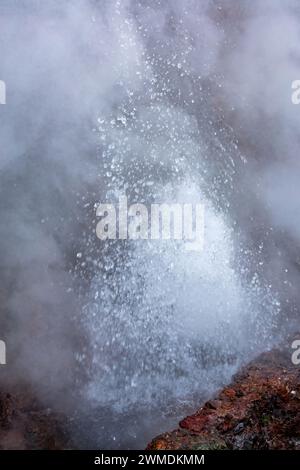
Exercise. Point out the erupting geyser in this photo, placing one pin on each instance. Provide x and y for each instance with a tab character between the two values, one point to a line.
164	102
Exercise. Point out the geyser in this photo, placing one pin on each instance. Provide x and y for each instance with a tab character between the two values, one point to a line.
176	102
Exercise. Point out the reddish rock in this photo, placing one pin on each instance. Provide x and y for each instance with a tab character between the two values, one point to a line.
260	409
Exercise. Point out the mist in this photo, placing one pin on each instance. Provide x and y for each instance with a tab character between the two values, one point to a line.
173	101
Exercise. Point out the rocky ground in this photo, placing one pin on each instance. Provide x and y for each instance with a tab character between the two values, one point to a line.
26	424
260	409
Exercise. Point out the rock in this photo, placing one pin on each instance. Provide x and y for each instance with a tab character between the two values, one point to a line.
260	409
25	424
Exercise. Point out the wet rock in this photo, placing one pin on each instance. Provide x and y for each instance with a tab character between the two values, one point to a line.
239	428
260	409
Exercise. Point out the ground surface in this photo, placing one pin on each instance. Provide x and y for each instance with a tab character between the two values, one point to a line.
26	424
260	409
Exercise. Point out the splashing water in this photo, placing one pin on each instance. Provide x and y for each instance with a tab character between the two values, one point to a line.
169	325
165	325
